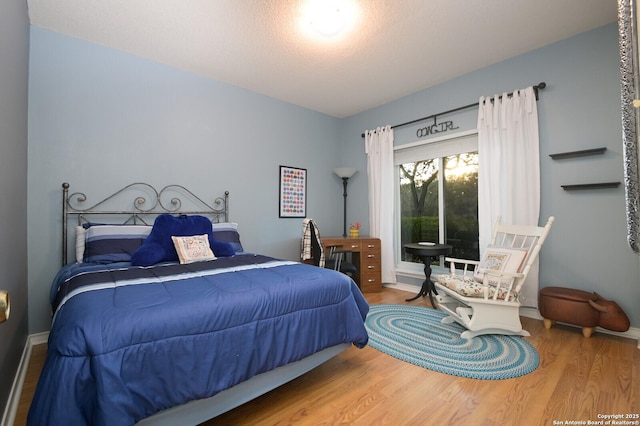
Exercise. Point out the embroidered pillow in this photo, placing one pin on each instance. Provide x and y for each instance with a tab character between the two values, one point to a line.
193	248
500	259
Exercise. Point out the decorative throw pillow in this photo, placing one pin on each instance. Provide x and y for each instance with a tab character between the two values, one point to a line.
194	248
500	259
159	247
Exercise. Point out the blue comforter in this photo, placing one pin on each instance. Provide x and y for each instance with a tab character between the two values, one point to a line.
127	342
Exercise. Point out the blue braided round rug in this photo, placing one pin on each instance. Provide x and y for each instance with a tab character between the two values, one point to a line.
415	334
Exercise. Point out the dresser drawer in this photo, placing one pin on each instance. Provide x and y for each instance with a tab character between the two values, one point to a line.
371	245
346	244
370	281
371	255
370	267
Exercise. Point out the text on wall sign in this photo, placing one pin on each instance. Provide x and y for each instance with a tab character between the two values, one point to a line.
435	128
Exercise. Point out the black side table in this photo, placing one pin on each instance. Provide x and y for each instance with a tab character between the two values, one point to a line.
427	252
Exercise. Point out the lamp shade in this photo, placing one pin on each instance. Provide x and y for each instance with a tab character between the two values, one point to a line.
345	172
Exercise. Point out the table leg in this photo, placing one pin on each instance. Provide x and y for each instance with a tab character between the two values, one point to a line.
427	289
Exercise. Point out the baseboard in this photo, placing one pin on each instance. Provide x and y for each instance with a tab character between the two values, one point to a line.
530	312
402	286
9	415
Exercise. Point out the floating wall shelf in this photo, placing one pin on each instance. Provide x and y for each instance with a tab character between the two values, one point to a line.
583	153
591	186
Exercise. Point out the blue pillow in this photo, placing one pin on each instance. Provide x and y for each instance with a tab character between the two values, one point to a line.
148	254
222	249
228	232
158	246
112	243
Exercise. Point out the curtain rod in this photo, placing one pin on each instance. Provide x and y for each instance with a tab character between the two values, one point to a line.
537	87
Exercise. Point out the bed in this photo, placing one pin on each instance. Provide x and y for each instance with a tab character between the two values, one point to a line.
180	337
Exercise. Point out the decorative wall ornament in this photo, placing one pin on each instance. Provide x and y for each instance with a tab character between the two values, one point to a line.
293	192
630	92
435	128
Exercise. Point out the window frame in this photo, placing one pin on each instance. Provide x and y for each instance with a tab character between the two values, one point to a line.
441	147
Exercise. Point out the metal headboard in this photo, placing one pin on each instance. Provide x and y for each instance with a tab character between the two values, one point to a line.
142	204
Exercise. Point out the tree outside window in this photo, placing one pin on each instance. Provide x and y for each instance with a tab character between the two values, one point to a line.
424	211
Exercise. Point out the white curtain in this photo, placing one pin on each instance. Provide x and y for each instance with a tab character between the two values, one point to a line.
379	149
509	169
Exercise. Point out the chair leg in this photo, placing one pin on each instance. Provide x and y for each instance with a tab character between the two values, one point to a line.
548	323
587	331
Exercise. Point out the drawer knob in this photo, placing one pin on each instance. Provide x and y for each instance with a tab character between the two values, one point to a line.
354	246
372	280
371	267
371	246
371	256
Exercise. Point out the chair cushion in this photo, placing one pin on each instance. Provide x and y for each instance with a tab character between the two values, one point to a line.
467	286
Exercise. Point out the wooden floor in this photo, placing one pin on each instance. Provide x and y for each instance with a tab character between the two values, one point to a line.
579	379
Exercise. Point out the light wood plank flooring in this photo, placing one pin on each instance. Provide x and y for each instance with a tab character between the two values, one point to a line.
578	379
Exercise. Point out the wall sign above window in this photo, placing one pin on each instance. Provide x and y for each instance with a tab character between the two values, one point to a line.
435	128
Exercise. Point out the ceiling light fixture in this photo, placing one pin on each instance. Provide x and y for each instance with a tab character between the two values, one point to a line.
328	18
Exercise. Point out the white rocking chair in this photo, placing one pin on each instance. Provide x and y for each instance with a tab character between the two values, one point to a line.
485	300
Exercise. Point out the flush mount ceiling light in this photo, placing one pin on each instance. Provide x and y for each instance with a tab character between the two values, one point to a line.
328	18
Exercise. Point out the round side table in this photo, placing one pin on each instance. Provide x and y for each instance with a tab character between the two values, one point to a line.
427	253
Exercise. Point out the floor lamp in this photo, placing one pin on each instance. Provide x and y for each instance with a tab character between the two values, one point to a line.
345	173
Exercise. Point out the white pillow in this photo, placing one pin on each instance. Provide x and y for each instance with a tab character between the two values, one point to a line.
80	237
193	248
500	259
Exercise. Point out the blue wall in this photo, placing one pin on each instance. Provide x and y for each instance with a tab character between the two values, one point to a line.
579	109
100	118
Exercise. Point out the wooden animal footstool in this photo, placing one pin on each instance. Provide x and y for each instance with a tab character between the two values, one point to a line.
570	306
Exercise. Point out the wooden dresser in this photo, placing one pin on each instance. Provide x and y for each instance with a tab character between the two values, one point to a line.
365	255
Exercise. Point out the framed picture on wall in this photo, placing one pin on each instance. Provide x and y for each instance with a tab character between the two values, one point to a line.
293	192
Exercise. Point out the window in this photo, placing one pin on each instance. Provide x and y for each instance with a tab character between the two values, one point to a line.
437	194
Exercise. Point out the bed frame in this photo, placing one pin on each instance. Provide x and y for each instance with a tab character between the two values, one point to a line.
142	204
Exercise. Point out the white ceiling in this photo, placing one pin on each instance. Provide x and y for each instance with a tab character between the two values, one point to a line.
395	48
